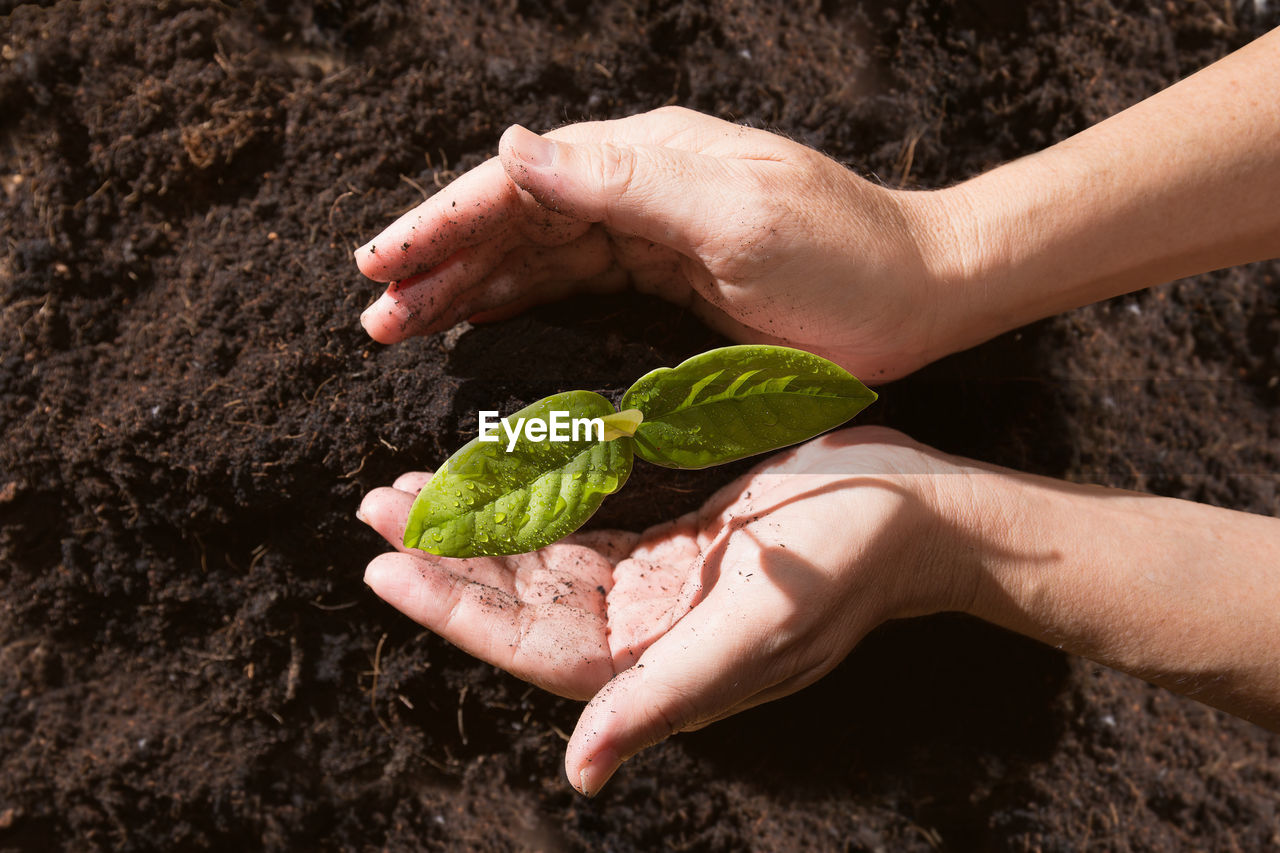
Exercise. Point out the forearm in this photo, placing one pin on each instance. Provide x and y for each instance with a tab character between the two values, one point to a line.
1182	183
1180	594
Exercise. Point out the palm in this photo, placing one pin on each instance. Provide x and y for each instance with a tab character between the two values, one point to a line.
567	618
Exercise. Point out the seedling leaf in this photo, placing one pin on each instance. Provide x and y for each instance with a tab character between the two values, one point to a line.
737	401
486	500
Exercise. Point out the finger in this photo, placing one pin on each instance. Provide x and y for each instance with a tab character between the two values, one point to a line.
561	649
682	129
480	206
611	280
536	275
415	306
645	602
663	194
653	588
654	269
675	127
412	481
386	511
476	207
495	304
781	690
706	663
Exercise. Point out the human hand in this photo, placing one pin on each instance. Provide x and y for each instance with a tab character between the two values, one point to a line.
764	239
758	594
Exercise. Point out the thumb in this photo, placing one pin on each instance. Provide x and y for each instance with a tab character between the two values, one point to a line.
665	195
693	674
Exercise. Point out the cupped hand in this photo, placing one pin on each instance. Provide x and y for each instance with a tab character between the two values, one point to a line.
764	239
758	594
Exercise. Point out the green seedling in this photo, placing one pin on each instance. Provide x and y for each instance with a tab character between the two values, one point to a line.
548	468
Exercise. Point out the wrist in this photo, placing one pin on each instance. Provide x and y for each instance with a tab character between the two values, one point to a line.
935	558
961	542
1029	239
962	236
982	532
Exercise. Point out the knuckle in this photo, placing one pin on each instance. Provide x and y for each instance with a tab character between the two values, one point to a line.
673	713
671	710
673	111
617	170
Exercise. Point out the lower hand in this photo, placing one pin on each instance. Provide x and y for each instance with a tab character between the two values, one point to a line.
758	594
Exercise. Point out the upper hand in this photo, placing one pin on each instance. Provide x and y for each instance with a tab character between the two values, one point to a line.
764	239
758	594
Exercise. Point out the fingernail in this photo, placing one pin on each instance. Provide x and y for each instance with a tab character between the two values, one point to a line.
381	316
360	516
532	149
599	770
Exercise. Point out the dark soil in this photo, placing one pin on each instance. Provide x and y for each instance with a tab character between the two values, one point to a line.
191	413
